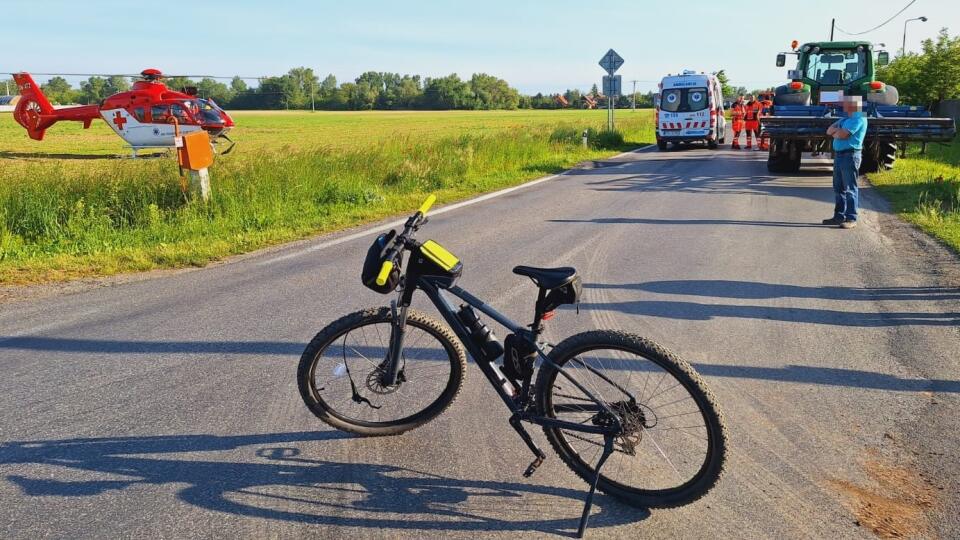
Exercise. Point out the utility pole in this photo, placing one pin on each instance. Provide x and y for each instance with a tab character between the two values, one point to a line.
313	107
634	94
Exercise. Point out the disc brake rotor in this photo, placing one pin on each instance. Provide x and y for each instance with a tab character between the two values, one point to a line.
375	384
634	418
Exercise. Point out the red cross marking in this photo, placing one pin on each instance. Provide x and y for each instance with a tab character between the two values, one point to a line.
119	120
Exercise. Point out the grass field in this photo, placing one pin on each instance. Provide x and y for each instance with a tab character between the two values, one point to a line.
925	190
69	207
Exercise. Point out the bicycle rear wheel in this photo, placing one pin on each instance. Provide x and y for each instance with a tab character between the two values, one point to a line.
339	373
673	447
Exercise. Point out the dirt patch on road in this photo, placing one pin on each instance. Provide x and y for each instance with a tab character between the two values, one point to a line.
895	505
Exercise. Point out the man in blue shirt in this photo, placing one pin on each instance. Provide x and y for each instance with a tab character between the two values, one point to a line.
847	133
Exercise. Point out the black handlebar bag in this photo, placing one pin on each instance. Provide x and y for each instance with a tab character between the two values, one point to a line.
376	255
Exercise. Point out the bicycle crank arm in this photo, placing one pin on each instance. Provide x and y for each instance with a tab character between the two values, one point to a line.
525	435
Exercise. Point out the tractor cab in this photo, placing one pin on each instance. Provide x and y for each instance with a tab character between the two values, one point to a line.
827	70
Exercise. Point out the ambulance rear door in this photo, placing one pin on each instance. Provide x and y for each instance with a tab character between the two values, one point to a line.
685	108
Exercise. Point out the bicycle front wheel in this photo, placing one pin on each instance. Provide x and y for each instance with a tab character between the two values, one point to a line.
673	444
339	373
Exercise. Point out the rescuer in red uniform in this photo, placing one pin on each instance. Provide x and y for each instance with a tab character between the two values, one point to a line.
737	112
751	119
766	103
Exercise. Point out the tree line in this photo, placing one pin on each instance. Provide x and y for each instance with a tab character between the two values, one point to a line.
927	77
301	88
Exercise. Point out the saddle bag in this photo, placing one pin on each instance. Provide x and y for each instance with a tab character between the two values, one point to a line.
564	294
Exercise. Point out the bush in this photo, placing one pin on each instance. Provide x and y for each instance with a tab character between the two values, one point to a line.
597	139
607	140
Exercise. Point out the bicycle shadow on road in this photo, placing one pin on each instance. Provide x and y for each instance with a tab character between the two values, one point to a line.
225	347
751	290
806	374
279	482
697	311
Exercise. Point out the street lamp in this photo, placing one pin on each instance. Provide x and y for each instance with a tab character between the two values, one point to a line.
903	51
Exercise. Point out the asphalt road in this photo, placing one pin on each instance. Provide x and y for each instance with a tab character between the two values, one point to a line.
168	407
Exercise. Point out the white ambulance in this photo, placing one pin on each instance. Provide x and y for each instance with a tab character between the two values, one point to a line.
690	109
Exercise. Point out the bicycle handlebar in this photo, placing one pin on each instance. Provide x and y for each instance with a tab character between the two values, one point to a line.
401	239
384	272
427	204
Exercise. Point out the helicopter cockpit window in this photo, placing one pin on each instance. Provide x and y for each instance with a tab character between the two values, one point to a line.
209	111
160	113
140	114
179	113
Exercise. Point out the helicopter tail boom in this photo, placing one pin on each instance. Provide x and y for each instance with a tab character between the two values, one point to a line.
35	113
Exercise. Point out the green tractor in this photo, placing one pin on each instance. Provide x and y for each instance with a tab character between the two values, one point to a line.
806	106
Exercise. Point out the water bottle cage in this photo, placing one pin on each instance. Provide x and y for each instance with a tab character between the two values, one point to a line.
480	334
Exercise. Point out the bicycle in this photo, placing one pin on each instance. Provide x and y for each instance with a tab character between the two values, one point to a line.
410	368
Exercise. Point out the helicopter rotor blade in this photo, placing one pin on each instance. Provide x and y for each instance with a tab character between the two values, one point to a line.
74	74
134	75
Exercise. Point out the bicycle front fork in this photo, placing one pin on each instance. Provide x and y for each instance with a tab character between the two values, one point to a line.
394	361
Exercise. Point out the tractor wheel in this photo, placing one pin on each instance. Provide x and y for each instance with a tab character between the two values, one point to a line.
888	155
784	157
712	144
661	144
878	156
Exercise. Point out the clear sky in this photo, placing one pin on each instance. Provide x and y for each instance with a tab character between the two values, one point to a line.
546	46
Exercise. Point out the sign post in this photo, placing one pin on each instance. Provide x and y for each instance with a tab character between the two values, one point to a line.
611	62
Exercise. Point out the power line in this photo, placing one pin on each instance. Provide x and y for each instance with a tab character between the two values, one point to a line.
884	23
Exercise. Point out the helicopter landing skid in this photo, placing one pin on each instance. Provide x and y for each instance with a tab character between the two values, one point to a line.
135	153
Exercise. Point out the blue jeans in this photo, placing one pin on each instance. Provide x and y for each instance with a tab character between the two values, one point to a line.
846	168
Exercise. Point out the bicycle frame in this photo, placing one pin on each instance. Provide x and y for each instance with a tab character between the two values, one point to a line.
519	405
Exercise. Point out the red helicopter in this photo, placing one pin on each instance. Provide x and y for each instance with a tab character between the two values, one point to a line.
147	116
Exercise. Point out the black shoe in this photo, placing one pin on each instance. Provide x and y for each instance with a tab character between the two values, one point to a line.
833	221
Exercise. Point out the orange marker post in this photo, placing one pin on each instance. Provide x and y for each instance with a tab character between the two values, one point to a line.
195	154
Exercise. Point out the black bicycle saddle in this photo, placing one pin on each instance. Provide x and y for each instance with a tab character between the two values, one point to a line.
547	278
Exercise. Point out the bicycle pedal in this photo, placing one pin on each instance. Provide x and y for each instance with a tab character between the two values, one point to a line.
532	468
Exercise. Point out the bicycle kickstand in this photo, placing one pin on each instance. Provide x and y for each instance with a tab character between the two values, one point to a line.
607	450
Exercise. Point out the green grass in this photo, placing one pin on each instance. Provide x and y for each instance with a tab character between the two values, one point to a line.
69	208
925	190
